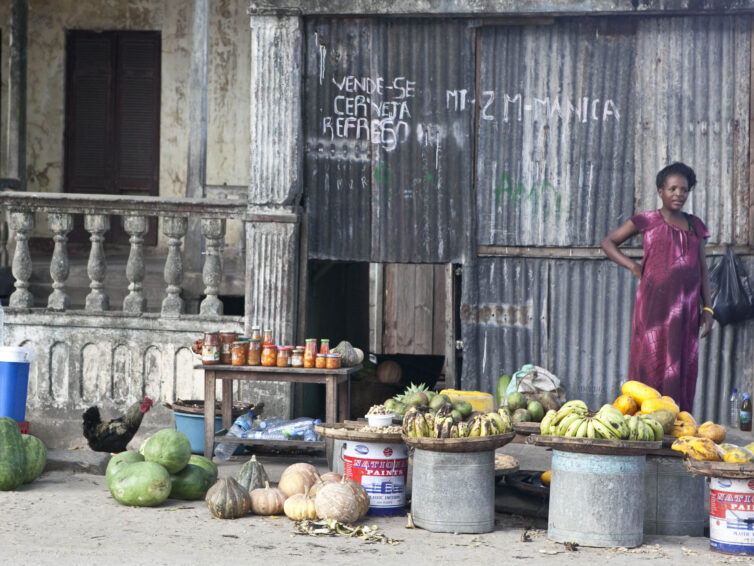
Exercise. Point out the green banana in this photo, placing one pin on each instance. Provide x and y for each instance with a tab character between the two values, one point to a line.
590	433
574	427
581	432
487	427
618	424
575	403
565	423
654	425
500	424
633	428
561	414
546	422
463	429
601	430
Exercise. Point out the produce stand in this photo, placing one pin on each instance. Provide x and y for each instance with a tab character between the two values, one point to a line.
453	486
350	430
594	490
337	391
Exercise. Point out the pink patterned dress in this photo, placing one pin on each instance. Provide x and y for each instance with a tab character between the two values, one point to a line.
665	325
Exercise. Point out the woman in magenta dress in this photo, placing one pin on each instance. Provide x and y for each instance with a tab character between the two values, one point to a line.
672	301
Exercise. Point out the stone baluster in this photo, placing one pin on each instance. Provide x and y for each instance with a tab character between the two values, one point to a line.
3	243
213	229
22	223
136	227
174	227
97	225
60	224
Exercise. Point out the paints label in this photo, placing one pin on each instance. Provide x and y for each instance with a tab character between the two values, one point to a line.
381	469
731	520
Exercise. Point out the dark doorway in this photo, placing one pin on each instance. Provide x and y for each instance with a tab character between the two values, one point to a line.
112	119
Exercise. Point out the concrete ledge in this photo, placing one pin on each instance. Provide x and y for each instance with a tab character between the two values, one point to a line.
81	461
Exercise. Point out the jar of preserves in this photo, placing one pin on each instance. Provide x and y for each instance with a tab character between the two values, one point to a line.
226	342
267	338
239	352
332	361
284	356
324	346
297	357
211	349
254	355
256	332
269	355
320	362
310	352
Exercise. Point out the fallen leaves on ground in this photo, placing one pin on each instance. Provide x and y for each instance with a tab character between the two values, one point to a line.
331	527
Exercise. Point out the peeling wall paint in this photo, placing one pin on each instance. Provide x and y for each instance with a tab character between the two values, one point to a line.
228	93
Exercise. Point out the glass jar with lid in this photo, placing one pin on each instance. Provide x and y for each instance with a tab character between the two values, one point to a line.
269	355
324	346
284	356
254	355
256	332
297	357
320	362
211	349
310	352
332	361
239	352
267	337
226	343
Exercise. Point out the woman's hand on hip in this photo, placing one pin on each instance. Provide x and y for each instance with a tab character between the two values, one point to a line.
636	270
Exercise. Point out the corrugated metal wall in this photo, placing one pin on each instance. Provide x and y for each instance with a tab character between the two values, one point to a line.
553	131
388	165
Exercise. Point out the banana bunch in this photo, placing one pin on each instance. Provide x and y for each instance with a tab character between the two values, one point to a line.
574	419
643	427
483	425
445	423
417	423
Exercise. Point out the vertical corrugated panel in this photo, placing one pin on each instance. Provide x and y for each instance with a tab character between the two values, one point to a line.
271	275
693	102
275	112
397	161
591	304
503	319
337	169
555	138
423	187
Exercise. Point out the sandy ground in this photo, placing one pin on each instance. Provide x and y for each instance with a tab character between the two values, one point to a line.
66	519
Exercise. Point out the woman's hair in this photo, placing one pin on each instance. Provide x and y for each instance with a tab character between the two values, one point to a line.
676	168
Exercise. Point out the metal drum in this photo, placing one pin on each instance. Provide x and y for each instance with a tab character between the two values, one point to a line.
674	499
596	500
453	492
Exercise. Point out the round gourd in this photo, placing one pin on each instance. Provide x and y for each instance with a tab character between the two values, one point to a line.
331	476
267	500
191	483
337	501
142	484
299	507
169	448
252	475
227	499
35	455
209	466
121	459
298	478
361	495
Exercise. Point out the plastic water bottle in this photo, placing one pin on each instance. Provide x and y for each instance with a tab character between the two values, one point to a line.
733	408
264	434
298	427
242	424
283	430
271	422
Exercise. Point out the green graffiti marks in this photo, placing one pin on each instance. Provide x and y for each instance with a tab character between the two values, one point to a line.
518	193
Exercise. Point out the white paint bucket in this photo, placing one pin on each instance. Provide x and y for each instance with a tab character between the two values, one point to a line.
381	469
731	516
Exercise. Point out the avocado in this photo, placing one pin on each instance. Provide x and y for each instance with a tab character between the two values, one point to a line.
516	401
521	416
536	410
463	407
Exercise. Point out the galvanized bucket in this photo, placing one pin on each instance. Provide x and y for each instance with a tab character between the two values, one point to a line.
453	492
596	500
674	499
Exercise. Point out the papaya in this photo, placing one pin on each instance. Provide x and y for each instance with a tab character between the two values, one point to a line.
639	391
726	447
750	447
681	428
713	431
665	418
738	456
651	405
687	417
681	444
704	449
626	404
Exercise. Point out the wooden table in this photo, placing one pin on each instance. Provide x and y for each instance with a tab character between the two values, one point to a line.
337	384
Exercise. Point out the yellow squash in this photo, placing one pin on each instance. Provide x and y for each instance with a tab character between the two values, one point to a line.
685	416
639	391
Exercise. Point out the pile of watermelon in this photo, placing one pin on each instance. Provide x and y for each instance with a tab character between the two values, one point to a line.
164	467
22	456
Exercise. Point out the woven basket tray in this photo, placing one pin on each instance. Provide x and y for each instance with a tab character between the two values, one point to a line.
598	446
469	444
349	430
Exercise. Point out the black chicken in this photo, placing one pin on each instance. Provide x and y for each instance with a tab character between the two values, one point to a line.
115	434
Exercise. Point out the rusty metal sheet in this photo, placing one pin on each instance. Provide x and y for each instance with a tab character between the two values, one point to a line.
555	131
388	167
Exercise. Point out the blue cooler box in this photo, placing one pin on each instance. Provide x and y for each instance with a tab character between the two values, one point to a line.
14	381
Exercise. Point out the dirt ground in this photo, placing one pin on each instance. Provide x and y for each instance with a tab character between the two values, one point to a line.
66	519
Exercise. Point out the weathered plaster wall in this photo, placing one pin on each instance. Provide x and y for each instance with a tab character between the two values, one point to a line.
228	94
